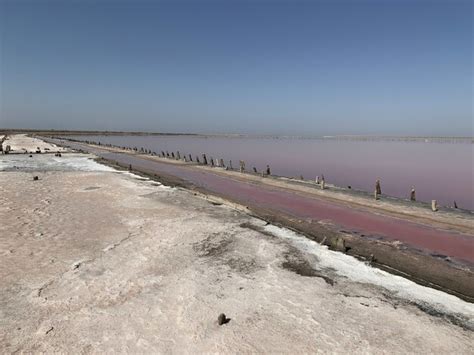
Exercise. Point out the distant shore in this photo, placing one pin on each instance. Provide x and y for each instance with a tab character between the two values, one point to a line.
382	137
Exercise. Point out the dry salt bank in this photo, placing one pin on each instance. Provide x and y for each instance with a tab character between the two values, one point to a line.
98	260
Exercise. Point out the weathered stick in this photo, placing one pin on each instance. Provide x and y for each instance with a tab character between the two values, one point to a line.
377	187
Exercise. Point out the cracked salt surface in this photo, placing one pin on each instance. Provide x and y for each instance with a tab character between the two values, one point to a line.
358	271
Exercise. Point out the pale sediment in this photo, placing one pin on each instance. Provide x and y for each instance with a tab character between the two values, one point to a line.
97	260
21	143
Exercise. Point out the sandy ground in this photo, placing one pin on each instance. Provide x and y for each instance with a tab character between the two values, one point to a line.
20	143
98	260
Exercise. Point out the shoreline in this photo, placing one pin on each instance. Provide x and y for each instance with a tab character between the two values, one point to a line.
350	191
437	272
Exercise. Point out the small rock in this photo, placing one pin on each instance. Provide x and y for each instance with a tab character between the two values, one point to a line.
222	319
35	178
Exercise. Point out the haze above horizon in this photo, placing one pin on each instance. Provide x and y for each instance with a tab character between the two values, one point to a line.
244	67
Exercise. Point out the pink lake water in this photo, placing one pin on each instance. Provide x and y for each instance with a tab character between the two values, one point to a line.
438	169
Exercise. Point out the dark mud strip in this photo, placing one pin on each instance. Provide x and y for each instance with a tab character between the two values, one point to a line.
282	207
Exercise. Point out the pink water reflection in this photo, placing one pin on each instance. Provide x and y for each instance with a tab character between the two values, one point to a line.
441	171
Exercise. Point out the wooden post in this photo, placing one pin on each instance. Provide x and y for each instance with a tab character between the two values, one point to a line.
178	156
190	157
377	187
172	155
413	194
268	170
212	161
221	163
255	170
230	165
434	205
204	159
197	159
323	185
242	166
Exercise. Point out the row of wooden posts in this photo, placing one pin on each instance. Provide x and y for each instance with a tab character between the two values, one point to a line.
242	168
434	203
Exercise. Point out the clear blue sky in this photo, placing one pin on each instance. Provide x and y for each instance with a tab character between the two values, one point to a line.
276	67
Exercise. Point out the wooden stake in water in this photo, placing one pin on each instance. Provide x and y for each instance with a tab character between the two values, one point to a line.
242	166
434	205
412	194
204	159
377	187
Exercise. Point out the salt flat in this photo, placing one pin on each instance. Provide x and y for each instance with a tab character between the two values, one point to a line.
21	143
96	260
